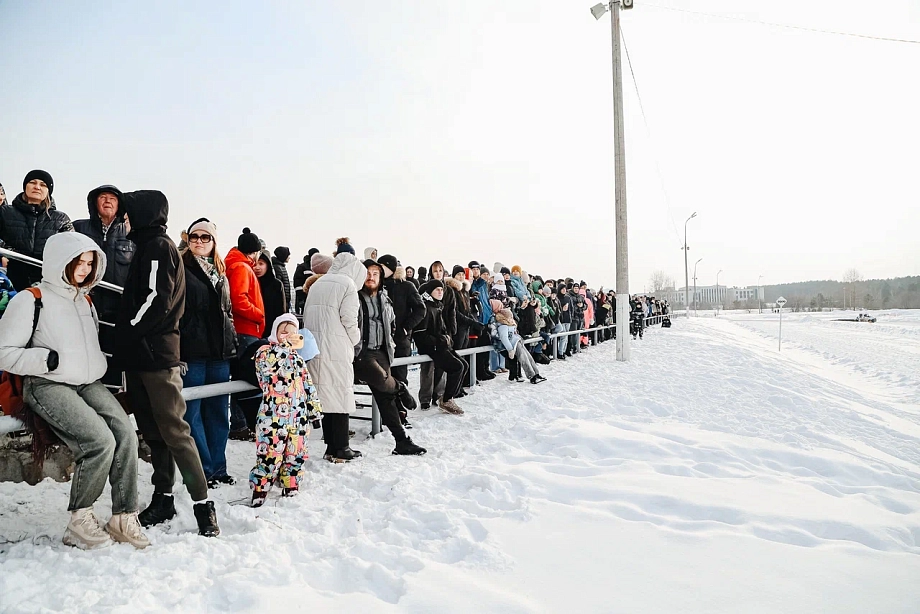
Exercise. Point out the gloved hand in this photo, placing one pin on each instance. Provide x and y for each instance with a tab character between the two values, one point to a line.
53	361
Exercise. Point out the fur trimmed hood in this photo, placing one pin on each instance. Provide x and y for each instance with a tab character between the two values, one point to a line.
453	283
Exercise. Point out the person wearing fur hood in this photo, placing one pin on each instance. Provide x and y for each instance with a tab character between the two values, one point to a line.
331	314
514	346
460	287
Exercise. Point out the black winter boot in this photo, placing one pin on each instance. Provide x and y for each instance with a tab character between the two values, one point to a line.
207	519
407	448
405	397
162	508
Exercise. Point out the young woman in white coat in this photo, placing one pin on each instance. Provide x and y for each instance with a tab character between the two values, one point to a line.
62	365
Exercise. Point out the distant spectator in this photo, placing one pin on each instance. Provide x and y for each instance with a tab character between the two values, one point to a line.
28	222
410	276
301	273
279	264
272	290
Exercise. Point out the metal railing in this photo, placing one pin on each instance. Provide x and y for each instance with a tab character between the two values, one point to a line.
10	424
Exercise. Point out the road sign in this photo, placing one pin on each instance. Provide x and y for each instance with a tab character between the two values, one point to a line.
781	301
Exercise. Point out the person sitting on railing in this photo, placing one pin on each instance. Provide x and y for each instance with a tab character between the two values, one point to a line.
376	352
514	346
432	338
457	286
148	348
207	342
62	364
331	314
106	226
28	222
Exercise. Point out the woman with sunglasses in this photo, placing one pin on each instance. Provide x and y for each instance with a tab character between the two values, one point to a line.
207	342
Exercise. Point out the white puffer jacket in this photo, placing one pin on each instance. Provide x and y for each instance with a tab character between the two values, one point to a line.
68	323
331	314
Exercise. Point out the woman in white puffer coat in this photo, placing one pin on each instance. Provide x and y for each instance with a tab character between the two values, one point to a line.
331	314
62	365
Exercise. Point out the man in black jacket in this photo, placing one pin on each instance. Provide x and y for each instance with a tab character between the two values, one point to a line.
27	223
563	345
376	351
106	226
148	347
432	339
279	264
409	308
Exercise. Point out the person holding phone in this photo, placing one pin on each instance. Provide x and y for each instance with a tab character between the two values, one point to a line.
289	404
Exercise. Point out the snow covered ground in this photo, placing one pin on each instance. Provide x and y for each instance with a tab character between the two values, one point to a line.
709	474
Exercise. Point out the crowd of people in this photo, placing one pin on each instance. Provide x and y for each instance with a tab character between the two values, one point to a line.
190	315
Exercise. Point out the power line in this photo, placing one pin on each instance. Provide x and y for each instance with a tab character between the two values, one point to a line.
783	25
667	199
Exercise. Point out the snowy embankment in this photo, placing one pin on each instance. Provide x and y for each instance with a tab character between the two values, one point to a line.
709	474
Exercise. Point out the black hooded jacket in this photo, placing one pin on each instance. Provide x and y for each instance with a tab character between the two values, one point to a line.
119	250
154	299
206	327
407	303
431	333
272	294
25	229
281	274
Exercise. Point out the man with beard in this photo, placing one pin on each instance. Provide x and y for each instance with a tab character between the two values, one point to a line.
374	354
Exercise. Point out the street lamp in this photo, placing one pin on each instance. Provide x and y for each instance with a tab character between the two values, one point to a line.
619	164
686	269
694	286
718	295
759	295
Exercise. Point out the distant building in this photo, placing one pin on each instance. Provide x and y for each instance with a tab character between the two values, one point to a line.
713	295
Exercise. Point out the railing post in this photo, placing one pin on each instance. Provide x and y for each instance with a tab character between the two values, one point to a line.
472	369
375	417
555	348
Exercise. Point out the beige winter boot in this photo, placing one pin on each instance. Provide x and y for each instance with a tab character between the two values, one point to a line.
126	529
84	531
450	407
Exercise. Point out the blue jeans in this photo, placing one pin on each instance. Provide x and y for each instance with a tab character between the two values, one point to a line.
496	361
562	342
209	419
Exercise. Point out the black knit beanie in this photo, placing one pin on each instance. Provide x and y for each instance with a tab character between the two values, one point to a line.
457	269
282	253
38	174
248	242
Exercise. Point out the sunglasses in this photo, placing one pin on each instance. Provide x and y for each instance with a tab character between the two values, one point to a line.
196	238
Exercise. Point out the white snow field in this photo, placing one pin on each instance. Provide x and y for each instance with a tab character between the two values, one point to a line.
709	474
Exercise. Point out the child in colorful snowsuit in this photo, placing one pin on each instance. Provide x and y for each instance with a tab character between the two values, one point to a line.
289	404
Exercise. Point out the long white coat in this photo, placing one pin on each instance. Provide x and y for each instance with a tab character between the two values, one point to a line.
331	314
68	323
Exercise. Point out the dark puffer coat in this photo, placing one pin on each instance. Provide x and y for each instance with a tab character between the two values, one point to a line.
119	250
407	303
272	292
281	274
25	229
431	333
206	327
154	298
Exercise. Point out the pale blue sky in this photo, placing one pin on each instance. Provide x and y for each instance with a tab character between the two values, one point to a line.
454	131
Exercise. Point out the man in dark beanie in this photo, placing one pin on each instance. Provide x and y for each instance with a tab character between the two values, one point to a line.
375	353
409	309
148	346
433	339
27	223
279	264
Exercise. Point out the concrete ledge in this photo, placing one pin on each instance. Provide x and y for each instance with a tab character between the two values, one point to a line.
16	462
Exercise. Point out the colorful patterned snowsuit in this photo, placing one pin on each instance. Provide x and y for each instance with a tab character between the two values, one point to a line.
289	404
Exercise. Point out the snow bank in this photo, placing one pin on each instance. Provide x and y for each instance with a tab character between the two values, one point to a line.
709	474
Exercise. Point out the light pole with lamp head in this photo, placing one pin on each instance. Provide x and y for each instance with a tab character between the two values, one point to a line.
619	164
694	286
686	268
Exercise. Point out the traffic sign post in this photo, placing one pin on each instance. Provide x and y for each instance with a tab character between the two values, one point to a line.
781	302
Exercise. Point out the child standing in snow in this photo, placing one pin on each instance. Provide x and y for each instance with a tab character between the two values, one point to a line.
289	404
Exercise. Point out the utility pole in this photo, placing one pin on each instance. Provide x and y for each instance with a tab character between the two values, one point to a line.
687	268
694	286
619	162
759	295
718	294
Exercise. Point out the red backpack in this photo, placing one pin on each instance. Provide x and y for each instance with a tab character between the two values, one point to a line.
11	384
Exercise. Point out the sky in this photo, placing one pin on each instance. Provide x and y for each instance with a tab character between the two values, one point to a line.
483	130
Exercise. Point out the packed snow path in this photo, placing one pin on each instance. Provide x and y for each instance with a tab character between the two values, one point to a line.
709	474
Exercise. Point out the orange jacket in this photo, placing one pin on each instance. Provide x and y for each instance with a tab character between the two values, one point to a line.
245	295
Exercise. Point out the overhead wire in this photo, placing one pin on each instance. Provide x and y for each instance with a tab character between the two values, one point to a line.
664	190
785	25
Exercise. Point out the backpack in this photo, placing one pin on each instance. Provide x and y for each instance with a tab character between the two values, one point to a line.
11	384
